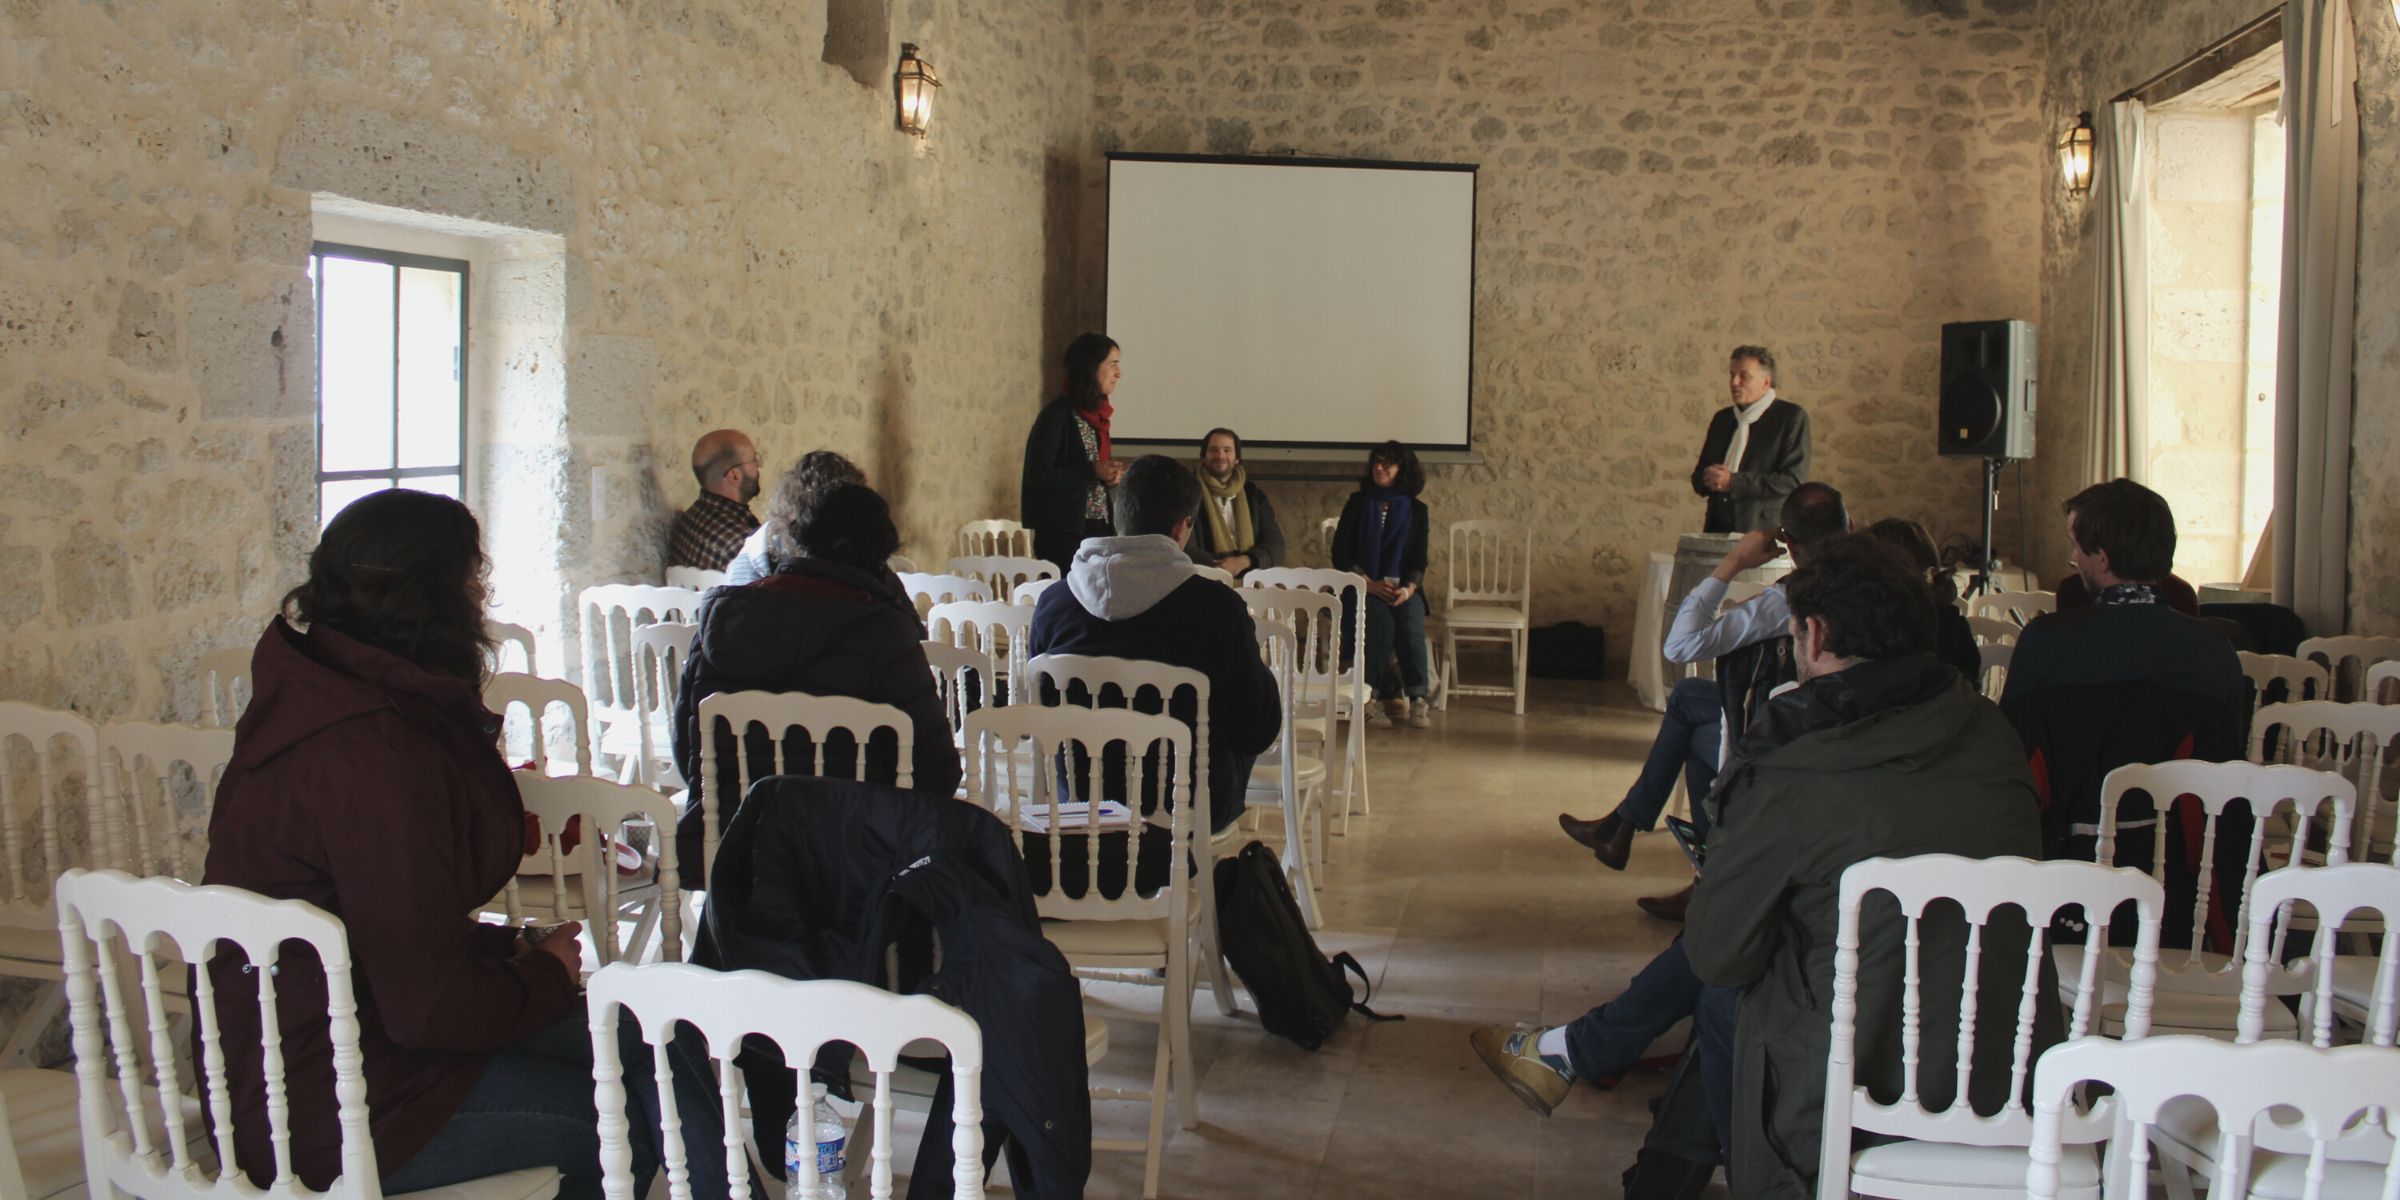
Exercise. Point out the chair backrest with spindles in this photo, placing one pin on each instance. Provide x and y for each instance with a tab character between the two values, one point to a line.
1029	593
659	652
759	729
2348	659
225	678
1096	681
1002	572
2016	608
1315	621
2353	740
611	612
995	537
962	675
1992	631
1491	562
2337	1103
2283	678
995	627
2177	792
506	634
155	818
1346	586
727	1009
1039	768
927	590
2383	683
46	757
2334	894
581	881
2018	894
698	579
507	691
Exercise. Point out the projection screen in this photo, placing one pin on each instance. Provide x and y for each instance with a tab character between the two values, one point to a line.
1325	303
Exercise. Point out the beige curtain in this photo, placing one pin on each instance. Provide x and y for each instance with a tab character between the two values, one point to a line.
2313	349
2120	381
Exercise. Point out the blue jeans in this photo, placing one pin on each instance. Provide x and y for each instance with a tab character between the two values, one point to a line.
1606	1042
533	1107
1687	741
1396	628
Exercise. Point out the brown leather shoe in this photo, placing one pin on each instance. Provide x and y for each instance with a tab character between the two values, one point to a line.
1609	839
1667	908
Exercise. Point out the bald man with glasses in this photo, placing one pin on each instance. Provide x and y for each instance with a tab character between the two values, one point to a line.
709	533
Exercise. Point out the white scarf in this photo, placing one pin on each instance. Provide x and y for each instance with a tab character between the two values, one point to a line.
1743	419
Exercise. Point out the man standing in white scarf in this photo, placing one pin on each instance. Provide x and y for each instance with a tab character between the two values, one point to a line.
1757	449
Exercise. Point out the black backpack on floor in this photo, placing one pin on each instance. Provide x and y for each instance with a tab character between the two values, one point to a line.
1300	994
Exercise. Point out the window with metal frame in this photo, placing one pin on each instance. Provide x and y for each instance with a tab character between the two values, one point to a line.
391	373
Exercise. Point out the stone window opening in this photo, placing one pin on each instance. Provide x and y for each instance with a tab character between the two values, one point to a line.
2215	231
858	39
391	373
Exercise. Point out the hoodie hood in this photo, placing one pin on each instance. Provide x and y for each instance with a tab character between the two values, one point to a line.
1121	577
304	682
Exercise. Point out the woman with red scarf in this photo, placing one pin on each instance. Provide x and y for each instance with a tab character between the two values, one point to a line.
1068	467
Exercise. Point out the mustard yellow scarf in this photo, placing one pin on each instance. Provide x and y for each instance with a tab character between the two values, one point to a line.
1241	537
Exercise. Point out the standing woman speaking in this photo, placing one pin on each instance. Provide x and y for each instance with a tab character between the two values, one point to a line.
1068	468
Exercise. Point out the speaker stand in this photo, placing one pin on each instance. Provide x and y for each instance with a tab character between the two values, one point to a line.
1982	582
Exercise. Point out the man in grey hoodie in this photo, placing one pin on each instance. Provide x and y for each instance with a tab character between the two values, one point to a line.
1135	596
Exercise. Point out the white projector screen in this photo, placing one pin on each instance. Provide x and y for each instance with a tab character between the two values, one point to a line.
1307	304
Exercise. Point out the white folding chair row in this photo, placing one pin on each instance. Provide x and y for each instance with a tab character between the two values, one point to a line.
962	676
2016	608
1002	572
1489	598
541	741
1298	638
926	590
47	759
777	714
994	537
2348	659
1029	593
609	614
1350	684
160	790
225	684
1097	682
2281	678
1023	751
506	635
727	1008
2321	1097
108	921
1992	631
584	882
996	628
697	579
2353	740
1954	1151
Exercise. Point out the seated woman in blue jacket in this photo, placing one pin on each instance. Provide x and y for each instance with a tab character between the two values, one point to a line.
1382	535
830	620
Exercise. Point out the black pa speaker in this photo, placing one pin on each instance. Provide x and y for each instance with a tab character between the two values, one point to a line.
1987	394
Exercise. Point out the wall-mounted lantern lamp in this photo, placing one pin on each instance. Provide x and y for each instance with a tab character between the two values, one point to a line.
2075	155
912	87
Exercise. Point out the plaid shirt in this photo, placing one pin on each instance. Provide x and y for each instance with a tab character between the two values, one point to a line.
709	533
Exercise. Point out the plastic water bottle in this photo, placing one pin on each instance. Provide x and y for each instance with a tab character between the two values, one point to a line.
830	1137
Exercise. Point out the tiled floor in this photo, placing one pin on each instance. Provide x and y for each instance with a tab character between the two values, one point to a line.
1468	907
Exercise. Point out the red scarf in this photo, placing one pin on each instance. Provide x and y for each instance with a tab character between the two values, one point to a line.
1097	417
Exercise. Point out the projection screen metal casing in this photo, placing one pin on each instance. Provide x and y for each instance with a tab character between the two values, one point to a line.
1309	303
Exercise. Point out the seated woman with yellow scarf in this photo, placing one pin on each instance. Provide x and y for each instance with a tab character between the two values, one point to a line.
1236	528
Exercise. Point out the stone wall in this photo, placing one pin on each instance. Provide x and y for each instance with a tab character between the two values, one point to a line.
1660	181
2097	51
746	238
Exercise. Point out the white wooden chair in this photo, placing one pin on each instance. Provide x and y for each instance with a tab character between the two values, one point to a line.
2348	659
109	921
506	634
225	680
1313	620
694	578
154	818
1993	678
777	714
659	652
1003	572
1953	1151
963	677
2283	678
2351	739
2016	608
610	613
58	749
2318	1098
2383	683
1220	574
994	537
2199	989
582	882
995	627
799	1017
1325	532
1350	685
1992	631
1029	593
1287	779
1488	597
1028	750
928	590
508	691
1092	681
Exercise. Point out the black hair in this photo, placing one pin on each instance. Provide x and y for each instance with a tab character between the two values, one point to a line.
1156	493
1812	513
402	571
1083	358
1411	479
816	471
846	523
1914	544
2129	523
1873	605
1211	436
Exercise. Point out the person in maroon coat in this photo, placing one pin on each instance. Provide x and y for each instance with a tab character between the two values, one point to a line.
365	780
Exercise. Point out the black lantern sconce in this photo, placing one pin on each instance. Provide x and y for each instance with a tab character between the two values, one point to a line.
912	88
2075	156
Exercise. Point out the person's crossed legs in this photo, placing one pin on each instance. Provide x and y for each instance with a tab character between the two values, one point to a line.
1539	1064
1687	742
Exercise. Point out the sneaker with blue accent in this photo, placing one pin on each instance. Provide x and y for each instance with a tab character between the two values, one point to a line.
1540	1080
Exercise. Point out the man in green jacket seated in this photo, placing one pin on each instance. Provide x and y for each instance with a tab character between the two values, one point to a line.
1881	750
